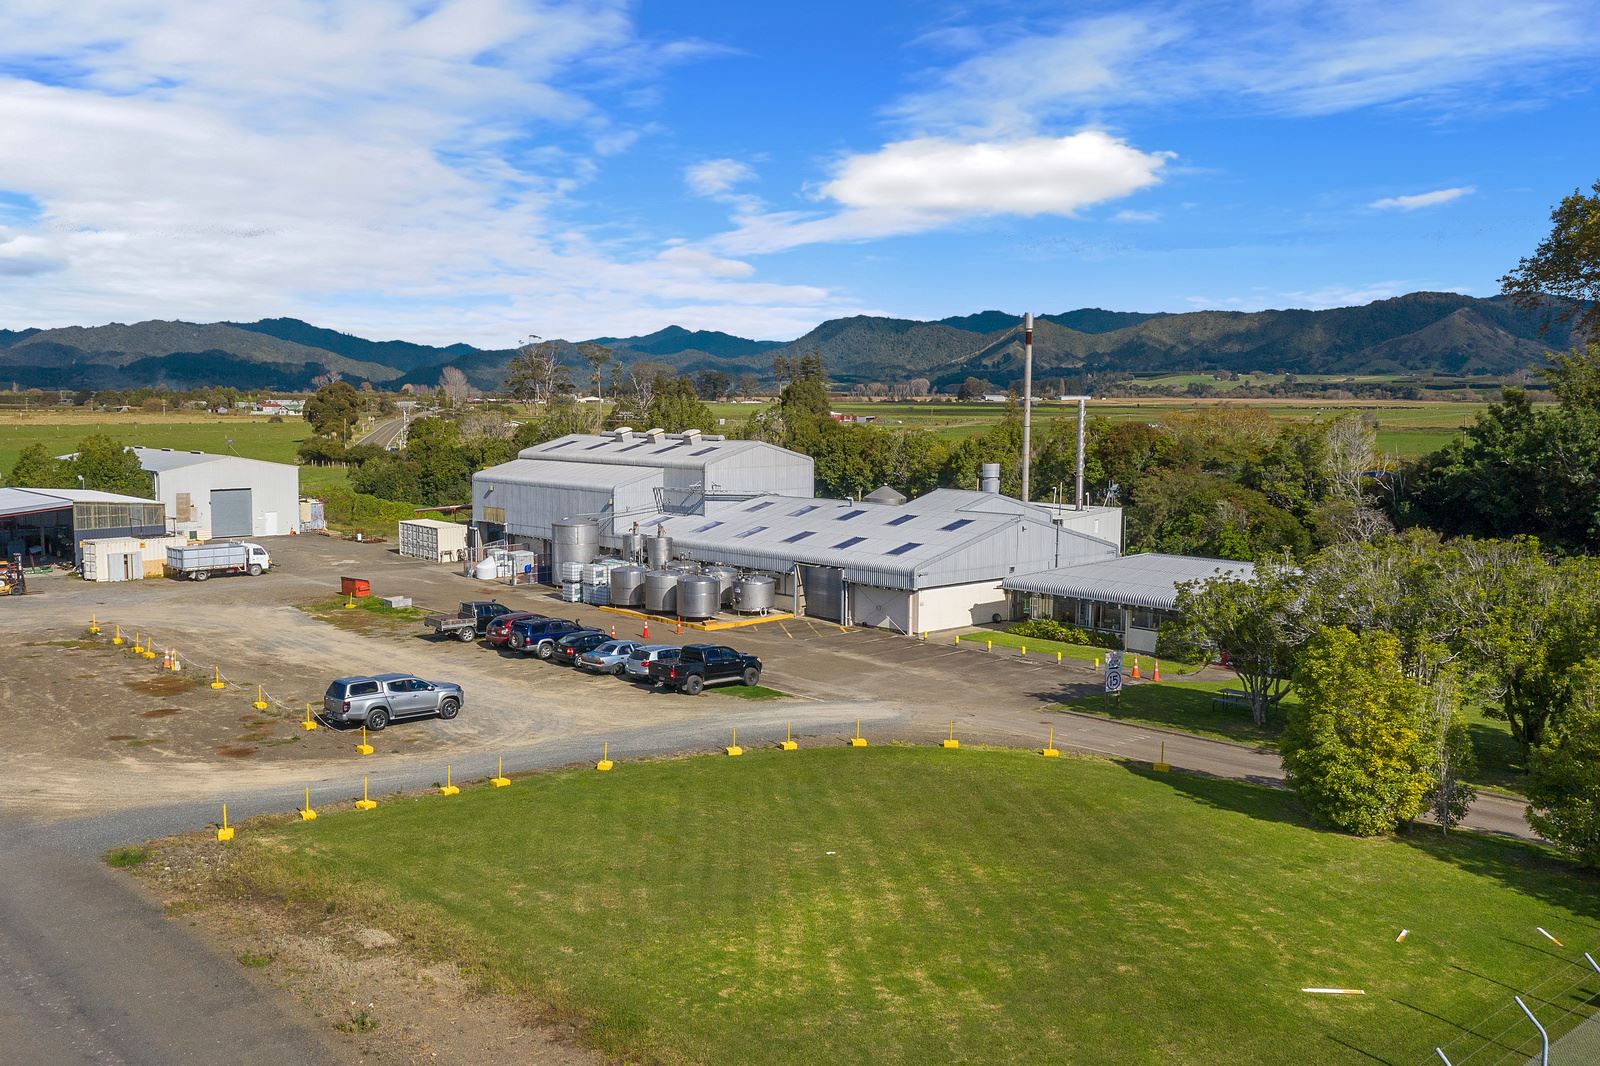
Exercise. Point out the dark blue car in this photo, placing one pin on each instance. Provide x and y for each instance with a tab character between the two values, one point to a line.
539	635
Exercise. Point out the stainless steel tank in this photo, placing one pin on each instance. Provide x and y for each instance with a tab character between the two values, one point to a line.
661	591
755	592
627	586
573	542
697	596
657	552
633	547
989	478
726	576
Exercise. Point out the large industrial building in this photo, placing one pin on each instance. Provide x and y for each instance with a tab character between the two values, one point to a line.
1130	596
212	496
45	525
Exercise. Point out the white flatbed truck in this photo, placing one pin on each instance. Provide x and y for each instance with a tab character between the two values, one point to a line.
197	562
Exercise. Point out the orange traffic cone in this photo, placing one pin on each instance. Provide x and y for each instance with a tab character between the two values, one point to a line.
1135	674
1155	675
646	631
680	627
613	631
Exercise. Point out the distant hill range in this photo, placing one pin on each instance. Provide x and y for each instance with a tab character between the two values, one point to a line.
1421	333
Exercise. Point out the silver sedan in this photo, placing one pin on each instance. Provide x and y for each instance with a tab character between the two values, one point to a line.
607	658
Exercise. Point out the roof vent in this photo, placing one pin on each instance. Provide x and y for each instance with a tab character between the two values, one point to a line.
690	436
623	433
655	435
883	494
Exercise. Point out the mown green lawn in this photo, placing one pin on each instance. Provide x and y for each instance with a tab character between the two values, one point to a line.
1080	652
914	905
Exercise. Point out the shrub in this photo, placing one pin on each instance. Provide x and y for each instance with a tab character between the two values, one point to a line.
1065	633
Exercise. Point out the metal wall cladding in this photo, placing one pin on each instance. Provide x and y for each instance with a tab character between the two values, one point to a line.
698	595
574	542
658	552
726	577
755	592
633	547
661	591
627	586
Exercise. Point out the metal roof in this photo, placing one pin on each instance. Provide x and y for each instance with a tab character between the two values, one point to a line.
14	501
159	460
1149	579
638	449
551	472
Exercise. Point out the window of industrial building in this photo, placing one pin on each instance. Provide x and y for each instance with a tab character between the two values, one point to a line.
807	509
849	542
752	531
797	537
708	525
1145	618
907	546
957	524
759	506
848	514
902	520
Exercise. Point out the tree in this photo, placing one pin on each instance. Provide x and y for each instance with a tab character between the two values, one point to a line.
334	409
107	465
1258	625
1564	773
749	385
562	417
1358	748
1566	264
713	385
453	386
1449	796
535	373
36	468
677	407
597	356
974	389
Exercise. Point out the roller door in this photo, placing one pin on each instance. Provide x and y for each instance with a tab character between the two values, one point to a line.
882	608
231	512
824	590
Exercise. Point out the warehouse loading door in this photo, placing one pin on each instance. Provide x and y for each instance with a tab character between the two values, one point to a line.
230	512
824	589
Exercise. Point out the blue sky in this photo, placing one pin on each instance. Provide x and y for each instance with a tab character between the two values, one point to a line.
481	170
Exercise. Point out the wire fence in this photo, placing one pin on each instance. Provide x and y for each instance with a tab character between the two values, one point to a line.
1567	1003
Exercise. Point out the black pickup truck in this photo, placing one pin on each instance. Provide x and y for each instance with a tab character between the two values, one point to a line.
469	622
699	665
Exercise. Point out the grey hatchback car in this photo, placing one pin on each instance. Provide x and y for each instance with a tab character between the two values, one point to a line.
377	700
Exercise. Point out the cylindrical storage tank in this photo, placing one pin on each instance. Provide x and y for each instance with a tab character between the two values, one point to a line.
989	478
755	592
661	591
627	586
487	570
633	547
658	552
726	576
573	542
698	595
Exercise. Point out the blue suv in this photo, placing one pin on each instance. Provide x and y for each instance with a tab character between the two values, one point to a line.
539	635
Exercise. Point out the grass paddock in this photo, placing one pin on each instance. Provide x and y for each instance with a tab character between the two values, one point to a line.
913	905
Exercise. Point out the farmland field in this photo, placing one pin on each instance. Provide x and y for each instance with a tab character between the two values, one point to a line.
817	907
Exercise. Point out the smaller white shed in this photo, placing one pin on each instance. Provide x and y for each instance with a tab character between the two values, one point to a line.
431	539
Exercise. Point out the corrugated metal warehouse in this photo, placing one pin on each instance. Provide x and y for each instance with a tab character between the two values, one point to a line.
224	495
932	563
621	477
1132	595
49	523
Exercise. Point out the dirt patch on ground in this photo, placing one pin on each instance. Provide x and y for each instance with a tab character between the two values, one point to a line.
161	712
236	751
170	685
361	982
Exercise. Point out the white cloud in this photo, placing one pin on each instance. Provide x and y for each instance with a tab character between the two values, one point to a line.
393	170
926	183
714	177
1136	216
1422	199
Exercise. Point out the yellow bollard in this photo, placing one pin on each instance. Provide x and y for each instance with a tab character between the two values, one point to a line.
1050	751
150	648
350	604
1024	649
1097	662
734	748
1161	765
216	679
363	748
116	635
310	723
137	649
500	780
605	762
448	789
261	699
958	638
224	834
306	813
94	626
788	742
988	645
951	741
364	804
858	741
1058	658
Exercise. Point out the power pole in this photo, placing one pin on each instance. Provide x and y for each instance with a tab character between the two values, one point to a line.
1027	404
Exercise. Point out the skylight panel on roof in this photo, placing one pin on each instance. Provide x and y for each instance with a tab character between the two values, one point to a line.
957	524
848	514
807	509
592	447
636	447
704	451
849	542
901	520
802	535
752	531
557	444
763	504
707	526
907	546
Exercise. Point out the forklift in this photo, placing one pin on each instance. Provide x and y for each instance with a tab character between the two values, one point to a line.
13	577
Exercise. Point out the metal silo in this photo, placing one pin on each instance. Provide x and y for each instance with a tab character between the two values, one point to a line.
633	547
661	591
658	552
755	593
726	576
627	586
697	596
573	542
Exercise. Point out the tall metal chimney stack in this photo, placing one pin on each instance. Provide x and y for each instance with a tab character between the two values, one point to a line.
1027	405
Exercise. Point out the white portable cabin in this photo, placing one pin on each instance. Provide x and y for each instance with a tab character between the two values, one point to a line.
431	539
